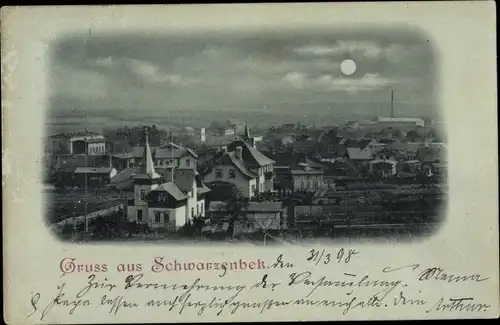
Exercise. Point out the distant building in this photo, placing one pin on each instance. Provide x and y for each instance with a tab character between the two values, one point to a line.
173	155
259	216
72	143
359	155
385	167
167	155
203	135
96	177
406	150
245	167
400	122
166	203
98	147
306	178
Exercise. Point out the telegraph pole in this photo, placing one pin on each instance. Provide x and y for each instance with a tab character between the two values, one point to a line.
85	197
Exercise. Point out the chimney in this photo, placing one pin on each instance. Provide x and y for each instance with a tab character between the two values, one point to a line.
239	153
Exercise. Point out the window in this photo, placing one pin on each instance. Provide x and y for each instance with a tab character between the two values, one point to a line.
191	193
218	173
232	173
169	162
166	217
188	162
139	215
143	194
197	209
192	213
160	162
161	198
157	217
201	207
253	189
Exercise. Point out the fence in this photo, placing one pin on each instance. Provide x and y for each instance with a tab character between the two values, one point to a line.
90	216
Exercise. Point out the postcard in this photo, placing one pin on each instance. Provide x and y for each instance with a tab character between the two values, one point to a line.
250	162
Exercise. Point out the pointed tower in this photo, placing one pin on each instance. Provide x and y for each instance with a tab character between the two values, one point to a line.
247	138
147	180
247	133
150	167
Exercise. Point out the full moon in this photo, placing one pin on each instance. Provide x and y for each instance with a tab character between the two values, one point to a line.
348	67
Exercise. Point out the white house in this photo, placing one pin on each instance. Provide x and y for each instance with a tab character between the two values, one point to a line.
245	167
166	201
97	147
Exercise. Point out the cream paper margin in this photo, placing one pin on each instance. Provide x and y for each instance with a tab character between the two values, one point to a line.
463	35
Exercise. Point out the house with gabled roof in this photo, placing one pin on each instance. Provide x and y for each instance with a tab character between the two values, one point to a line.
245	167
166	198
174	155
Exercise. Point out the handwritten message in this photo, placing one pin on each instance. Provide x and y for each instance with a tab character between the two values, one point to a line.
266	286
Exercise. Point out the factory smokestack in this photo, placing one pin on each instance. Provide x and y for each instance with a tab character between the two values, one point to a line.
392	102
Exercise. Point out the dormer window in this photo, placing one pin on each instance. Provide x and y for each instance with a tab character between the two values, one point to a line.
188	162
232	173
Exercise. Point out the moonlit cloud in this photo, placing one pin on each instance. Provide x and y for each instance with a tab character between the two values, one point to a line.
368	82
368	49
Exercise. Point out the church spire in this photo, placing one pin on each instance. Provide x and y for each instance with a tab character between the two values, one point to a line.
247	133
150	168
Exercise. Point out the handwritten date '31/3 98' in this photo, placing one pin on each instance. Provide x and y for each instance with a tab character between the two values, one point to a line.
343	256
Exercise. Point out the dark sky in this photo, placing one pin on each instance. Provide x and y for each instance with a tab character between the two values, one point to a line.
257	70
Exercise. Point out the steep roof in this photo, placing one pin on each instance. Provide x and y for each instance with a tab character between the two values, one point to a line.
251	156
173	153
359	154
363	143
184	179
171	189
232	158
203	189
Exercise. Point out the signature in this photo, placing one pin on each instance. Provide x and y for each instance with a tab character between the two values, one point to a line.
463	304
439	274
